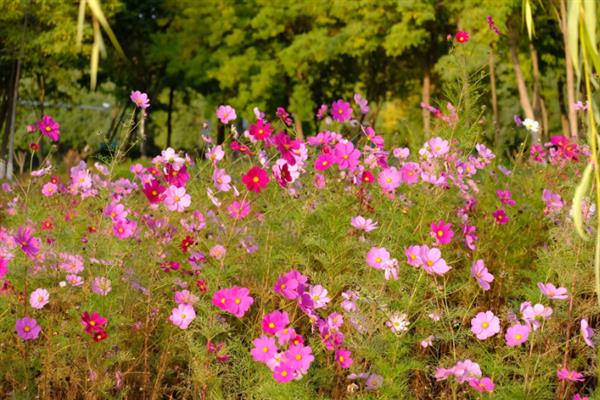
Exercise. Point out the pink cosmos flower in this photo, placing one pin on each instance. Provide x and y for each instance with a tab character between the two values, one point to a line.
291	285
39	298
341	110
346	156
319	181
516	335
49	128
182	316
362	103
285	335
413	256
433	263
101	285
505	197
239	209
283	373
343	357
186	297
552	292
256	179
140	99
554	203
215	154
470	236
389	179
482	385
500	216
461	37
463	371
124	228
298	357
74	280
587	333
234	300
226	113
29	244
115	211
261	130
153	191
218	251
49	189
485	325
363	224
28	328
410	172
572	376
442	232
264	349
319	296
577	396
438	146
533	315
176	199
323	161
378	257
275	321
481	273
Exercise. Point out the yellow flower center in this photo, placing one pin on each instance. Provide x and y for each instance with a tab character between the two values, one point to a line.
518	336
255	179
284	373
265	349
238	301
341	358
440	232
298	357
378	260
485	325
271	325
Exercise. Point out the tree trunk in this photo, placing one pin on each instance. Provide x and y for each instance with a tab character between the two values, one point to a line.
426	98
298	126
538	102
523	95
569	71
170	116
564	121
220	133
492	65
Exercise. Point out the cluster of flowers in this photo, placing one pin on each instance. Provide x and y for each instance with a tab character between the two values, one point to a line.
558	151
183	315
466	371
94	325
235	300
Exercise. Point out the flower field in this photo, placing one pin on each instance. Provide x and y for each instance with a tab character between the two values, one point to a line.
280	267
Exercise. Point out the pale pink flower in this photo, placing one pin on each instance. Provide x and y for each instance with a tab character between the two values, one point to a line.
176	199
39	298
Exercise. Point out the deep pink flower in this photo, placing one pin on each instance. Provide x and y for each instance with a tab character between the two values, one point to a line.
283	373
226	113
572	376
291	285
481	273
505	197
93	322
410	173
485	325
261	130
28	243
323	161
343	357
124	228
49	127
516	335
461	37
28	328
275	321
341	110
298	357
176	177
256	179
264	349
442	232
500	216
389	179
153	191
288	148
484	384
140	99
239	209
234	300
346	156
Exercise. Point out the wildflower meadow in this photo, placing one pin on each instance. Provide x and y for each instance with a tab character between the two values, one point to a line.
274	261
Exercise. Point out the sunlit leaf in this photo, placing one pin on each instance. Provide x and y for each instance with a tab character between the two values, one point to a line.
580	192
573	30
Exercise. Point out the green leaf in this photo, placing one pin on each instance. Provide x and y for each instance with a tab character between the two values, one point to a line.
581	190
573	30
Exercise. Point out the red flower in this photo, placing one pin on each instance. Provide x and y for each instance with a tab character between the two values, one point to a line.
47	224
153	191
93	323
202	285
256	179
367	177
261	130
100	335
461	37
186	243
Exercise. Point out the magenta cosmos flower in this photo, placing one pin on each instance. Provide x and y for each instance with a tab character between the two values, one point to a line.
28	328
29	244
378	257
516	335
433	263
260	130
343	357
485	325
93	322
482	385
481	273
410	173
275	321
341	111
140	99
49	128
234	300
500	217
442	232
346	156
461	37
239	209
39	298
573	376
264	349
291	285
298	357
226	113
256	179
323	161
552	292
182	316
283	373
